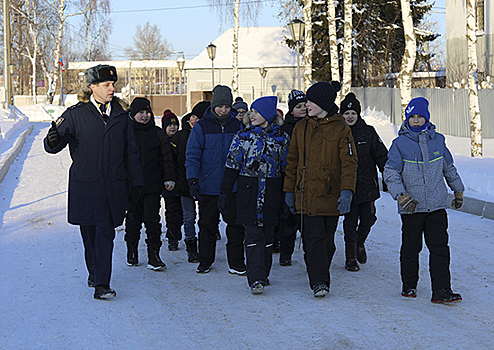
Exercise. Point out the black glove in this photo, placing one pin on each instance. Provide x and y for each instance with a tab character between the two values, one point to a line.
223	204
53	136
135	194
195	190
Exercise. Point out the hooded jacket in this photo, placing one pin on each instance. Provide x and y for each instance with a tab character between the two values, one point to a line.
257	160
418	163
321	162
206	151
104	157
154	154
371	152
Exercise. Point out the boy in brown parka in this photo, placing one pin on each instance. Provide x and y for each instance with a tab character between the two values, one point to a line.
320	179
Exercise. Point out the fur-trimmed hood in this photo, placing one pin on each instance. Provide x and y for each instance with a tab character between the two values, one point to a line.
84	96
278	119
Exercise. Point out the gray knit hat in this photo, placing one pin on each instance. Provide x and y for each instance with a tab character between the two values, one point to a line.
222	95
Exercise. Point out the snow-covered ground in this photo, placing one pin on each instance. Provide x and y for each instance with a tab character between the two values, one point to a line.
46	304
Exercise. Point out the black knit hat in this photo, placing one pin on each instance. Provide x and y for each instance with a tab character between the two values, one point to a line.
200	108
294	98
222	95
140	104
350	103
100	73
240	104
323	94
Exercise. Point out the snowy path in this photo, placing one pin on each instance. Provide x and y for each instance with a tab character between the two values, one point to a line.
45	303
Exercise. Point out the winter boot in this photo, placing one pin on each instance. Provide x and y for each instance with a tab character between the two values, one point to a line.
445	296
351	257
154	260
192	254
132	257
361	253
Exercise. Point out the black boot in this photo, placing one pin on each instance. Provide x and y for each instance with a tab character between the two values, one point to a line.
361	253
154	260
351	257
132	257
192	254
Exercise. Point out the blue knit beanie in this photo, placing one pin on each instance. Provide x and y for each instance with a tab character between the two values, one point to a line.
266	106
419	106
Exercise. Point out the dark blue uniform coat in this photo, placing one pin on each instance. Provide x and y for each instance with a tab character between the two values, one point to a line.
104	157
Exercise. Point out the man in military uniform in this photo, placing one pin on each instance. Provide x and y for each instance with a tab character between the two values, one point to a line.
104	156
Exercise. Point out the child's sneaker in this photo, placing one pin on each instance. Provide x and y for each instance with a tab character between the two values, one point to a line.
320	290
409	291
240	272
203	268
445	296
257	288
172	246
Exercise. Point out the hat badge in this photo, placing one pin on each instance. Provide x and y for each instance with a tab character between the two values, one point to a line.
409	109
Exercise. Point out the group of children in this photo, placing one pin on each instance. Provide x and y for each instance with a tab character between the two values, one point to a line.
265	174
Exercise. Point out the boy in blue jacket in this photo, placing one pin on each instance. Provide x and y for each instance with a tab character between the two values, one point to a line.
418	162
205	155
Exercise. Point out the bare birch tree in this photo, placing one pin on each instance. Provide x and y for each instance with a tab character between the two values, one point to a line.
56	31
308	44
333	45
347	48
30	11
96	28
473	97
226	8
408	61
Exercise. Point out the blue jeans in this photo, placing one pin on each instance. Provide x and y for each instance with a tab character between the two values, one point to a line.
189	211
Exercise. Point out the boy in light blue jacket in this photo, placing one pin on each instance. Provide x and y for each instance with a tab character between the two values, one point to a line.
418	162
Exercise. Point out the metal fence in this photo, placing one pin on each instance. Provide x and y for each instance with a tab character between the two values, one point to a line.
448	107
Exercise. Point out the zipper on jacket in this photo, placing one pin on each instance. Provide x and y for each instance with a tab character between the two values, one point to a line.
417	162
349	146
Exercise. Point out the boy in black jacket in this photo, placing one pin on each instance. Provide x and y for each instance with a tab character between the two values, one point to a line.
173	207
159	174
371	152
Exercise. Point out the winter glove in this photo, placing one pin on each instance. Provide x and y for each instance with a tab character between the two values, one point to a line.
290	201
344	201
135	194
53	136
408	203
169	185
285	211
458	201
223	204
195	190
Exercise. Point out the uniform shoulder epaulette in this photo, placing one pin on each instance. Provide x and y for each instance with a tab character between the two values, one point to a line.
75	106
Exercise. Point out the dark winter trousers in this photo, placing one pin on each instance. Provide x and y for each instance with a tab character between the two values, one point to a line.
287	233
174	218
98	250
209	219
259	252
318	240
146	210
434	226
358	222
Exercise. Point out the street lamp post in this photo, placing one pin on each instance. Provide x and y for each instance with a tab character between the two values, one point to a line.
212	54
12	71
180	64
297	28
263	71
